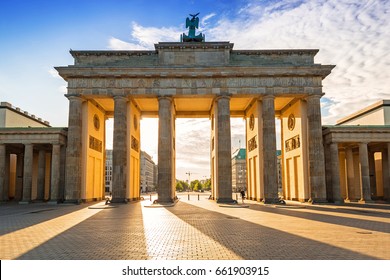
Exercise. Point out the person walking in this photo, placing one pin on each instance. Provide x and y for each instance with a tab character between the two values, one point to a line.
242	196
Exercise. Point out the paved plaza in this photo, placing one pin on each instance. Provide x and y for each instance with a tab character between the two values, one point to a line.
194	229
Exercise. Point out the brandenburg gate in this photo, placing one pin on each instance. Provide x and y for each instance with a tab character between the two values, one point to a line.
195	79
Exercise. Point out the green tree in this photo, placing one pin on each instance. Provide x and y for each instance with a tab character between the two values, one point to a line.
207	185
179	186
196	185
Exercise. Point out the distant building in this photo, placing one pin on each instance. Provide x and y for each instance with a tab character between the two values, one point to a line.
108	172
148	170
239	170
148	173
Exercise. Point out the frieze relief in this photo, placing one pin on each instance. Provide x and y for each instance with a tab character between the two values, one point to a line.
134	143
252	143
95	144
201	82
292	143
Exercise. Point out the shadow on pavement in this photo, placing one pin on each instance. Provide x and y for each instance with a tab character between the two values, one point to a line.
337	220
112	234
253	241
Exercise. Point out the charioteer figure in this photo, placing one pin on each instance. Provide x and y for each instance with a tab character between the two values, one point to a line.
192	24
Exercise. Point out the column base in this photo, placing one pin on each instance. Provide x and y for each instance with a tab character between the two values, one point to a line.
226	200
271	201
119	200
364	201
73	201
51	202
318	201
25	202
338	202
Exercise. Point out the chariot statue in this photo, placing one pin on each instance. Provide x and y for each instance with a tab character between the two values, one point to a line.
192	24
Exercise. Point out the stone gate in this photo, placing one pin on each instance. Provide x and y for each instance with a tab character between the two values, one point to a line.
195	79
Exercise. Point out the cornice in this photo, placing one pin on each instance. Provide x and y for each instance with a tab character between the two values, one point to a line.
198	72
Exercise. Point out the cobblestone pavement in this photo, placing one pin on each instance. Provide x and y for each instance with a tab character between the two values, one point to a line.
194	229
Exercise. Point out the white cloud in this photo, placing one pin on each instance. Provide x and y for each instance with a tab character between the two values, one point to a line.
116	44
53	72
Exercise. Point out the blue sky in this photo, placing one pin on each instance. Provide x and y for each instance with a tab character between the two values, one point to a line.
35	36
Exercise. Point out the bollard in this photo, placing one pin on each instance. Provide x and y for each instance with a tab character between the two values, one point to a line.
198	197
188	196
150	197
236	197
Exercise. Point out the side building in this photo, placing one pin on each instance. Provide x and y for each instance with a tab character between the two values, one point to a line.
32	157
357	155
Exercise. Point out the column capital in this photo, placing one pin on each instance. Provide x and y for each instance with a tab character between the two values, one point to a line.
267	96
167	97
313	96
120	96
222	96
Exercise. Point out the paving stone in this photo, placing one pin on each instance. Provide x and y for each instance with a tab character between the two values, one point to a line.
195	230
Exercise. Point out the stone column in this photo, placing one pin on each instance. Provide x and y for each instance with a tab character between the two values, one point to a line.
165	150
371	166
41	174
27	173
120	151
350	175
365	194
223	149
269	150
335	171
19	177
3	174
55	173
316	150
73	151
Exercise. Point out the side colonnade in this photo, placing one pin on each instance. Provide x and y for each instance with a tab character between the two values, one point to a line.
32	164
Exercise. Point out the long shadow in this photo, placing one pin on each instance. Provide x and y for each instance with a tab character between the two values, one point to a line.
14	217
253	241
337	220
352	209
111	234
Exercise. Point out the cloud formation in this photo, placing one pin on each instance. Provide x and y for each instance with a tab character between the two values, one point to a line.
353	35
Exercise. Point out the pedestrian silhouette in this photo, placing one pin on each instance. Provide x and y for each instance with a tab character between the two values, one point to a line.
242	195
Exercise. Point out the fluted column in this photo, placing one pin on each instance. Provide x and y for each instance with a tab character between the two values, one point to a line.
316	150
350	175
19	177
73	151
3	163
27	173
269	150
365	194
223	149
120	151
165	150
335	171
41	175
55	173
